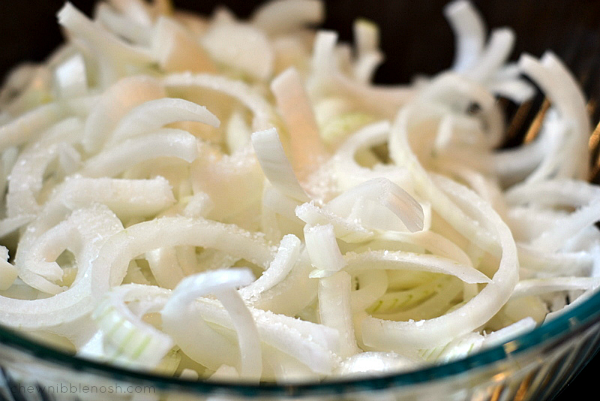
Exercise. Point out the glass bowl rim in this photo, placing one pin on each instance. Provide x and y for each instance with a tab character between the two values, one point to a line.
576	318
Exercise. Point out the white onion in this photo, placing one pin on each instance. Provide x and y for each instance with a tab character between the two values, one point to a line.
224	199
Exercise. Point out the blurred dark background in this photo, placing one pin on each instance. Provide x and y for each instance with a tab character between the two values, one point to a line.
415	38
415	35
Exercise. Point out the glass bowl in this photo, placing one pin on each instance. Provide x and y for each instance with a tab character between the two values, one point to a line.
534	366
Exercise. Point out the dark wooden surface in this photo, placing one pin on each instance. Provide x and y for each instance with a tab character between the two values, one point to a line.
415	38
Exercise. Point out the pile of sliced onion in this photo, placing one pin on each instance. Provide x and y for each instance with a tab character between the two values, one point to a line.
218	198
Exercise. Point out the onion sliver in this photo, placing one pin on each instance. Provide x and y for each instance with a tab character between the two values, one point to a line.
422	334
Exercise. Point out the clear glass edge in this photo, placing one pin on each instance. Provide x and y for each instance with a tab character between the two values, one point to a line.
560	328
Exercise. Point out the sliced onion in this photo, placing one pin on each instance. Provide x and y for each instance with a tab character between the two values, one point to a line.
354	204
335	310
154	114
165	142
285	16
263	114
469	30
177	50
222	284
114	104
323	249
241	46
134	343
477	311
275	164
75	302
25	127
126	198
282	264
307	149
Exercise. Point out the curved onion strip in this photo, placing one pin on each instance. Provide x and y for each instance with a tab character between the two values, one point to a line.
222	283
225	373
276	202
307	342
199	205
494	56
560	87
114	104
282	264
275	165
402	154
154	114
37	265
391	260
263	114
165	142
477	311
469	30
75	302
27	176
136	344
574	99
291	295
11	224
350	174
38	268
457	92
177	231
542	286
280	367
8	158
430	241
